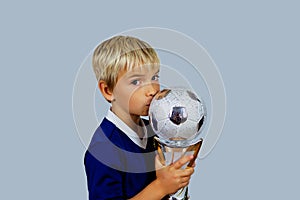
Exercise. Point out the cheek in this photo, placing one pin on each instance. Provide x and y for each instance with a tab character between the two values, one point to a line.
157	87
136	99
122	98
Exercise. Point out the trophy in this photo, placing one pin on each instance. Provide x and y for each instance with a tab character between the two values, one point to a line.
177	116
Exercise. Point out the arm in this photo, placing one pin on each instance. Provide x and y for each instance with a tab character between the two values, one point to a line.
169	179
102	180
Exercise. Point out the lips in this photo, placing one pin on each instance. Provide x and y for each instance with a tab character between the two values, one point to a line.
149	102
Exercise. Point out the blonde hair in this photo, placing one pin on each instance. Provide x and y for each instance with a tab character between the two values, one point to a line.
121	53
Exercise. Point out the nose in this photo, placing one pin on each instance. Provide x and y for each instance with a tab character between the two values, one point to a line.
152	89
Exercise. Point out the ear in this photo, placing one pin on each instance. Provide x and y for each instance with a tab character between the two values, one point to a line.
104	89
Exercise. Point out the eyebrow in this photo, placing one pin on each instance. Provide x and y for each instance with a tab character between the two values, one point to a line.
135	75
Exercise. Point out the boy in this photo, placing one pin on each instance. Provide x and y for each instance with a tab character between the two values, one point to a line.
120	162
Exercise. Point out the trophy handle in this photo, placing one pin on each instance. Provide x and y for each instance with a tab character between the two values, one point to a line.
160	151
196	148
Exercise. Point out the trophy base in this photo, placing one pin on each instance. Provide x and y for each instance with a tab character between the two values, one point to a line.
175	198
185	197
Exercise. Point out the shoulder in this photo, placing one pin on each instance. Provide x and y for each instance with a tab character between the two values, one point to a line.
107	132
104	146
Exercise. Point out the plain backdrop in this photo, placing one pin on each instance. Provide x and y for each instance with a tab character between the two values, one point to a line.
255	45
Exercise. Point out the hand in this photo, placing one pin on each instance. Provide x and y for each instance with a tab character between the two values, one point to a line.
171	178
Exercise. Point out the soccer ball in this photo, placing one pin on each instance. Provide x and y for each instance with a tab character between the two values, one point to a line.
177	115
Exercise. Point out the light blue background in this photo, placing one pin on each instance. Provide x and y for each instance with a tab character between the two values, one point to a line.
255	44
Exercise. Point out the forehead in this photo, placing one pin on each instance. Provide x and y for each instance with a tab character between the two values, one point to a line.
142	69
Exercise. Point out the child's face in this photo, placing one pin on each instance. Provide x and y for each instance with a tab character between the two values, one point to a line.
134	91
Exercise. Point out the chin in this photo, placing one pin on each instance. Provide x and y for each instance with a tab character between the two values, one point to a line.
141	112
145	113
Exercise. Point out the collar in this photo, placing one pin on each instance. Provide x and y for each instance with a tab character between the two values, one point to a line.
127	130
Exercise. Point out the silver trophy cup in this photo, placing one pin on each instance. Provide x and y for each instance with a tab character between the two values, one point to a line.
177	117
168	155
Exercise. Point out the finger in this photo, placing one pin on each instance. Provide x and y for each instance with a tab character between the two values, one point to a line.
186	172
185	179
182	161
184	182
193	166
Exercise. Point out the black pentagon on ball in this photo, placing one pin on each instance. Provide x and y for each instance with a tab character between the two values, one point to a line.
178	115
154	122
200	123
192	95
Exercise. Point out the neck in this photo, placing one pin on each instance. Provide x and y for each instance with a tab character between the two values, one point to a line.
132	121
